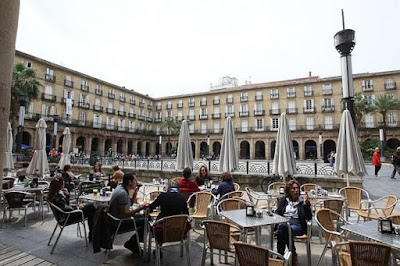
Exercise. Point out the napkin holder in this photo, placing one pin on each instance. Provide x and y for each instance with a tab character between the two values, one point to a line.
385	225
250	211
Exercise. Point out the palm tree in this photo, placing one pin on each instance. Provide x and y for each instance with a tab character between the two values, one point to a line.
361	105
172	126
383	104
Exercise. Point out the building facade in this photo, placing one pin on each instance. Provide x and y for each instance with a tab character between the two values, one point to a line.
102	115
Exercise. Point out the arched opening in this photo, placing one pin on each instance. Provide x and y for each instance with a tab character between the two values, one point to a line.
244	150
120	142
392	143
273	144
49	142
329	145
193	149
203	149
296	148
158	148
26	138
139	148
107	145
168	148
216	148
259	150
80	144
60	141
147	149
130	149
95	145
310	150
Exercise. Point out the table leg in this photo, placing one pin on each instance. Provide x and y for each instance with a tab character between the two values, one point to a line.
145	235
271	237
258	235
290	237
42	203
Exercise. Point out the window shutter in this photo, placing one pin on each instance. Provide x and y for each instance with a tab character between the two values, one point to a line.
43	109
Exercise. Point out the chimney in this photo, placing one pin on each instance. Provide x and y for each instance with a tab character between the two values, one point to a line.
309	74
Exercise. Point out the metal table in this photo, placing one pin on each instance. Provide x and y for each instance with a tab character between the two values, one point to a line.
239	217
39	189
100	199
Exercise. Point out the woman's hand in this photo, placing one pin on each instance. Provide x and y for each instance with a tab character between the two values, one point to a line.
81	206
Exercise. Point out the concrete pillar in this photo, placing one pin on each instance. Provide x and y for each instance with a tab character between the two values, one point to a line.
102	143
301	149
252	149
88	145
197	150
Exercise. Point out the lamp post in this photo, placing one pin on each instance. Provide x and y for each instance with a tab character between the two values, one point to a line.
344	44
21	117
321	152
208	144
55	120
381	138
160	145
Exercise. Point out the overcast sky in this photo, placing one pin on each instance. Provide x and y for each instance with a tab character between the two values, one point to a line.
172	47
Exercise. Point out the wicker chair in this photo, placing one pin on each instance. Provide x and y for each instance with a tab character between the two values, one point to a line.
395	219
237	186
247	254
233	194
218	235
10	182
334	205
65	219
362	253
276	185
308	186
18	200
203	206
255	198
187	195
373	212
174	230
353	197
324	218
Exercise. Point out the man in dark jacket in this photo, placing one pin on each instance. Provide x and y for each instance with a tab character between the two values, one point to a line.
396	162
298	210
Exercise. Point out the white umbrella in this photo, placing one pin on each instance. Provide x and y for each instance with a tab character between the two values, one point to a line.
8	159
228	158
284	162
39	164
66	146
349	159
184	157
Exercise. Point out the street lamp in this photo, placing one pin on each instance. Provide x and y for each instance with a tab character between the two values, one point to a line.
320	144
381	138
22	102
208	144
344	44
160	145
55	120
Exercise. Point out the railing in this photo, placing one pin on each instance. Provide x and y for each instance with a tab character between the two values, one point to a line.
68	83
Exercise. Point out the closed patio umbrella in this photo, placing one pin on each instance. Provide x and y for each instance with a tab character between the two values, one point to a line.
228	158
184	157
8	159
66	146
349	159
284	162
39	164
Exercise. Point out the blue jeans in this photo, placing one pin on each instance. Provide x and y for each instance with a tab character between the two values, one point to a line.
283	235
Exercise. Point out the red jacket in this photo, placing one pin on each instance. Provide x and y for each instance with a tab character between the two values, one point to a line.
376	159
187	185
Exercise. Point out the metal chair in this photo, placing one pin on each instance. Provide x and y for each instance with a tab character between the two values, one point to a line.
247	254
372	211
237	186
308	186
18	200
65	219
203	206
353	196
276	186
233	194
255	198
362	253
306	239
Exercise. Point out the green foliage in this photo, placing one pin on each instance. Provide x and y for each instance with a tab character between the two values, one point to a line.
24	83
368	146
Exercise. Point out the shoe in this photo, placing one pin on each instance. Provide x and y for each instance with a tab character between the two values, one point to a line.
132	247
393	177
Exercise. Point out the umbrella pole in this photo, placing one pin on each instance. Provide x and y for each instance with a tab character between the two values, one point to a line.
348	183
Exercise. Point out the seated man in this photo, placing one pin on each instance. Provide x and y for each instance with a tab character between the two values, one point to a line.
120	204
187	186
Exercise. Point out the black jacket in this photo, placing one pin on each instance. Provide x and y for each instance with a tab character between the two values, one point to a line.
102	230
304	212
171	203
396	158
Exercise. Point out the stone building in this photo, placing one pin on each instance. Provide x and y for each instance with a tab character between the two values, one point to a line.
102	115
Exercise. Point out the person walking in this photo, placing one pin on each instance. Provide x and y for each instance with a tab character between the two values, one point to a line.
376	161
396	162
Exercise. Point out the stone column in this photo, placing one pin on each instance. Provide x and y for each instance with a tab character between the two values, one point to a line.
301	149
252	148
197	150
101	146
88	145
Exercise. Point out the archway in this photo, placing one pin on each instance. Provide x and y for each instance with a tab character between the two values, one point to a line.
120	143
147	149
329	145
259	150
139	148
193	149
130	149
310	150
26	138
107	145
80	144
392	143
216	148
49	142
95	145
203	149
158	148
296	148
244	150
60	141
273	144
168	148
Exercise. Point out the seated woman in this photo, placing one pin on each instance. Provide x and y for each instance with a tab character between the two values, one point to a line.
226	185
202	176
298	210
98	174
69	177
116	177
59	196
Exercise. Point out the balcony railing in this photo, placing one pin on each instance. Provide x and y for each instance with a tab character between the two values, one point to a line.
85	87
327	91
122	99
216	116
258	97
168	106
216	101
149	119
291	110
291	94
98	92
259	112
50	78
179	105
308	93
121	113
191	117
141	104
64	100
132	101
244	98
203	117
328	108
110	110
111	95
274	111
229	114
157	119
149	107
49	97
229	100
68	83
309	110
179	117
368	87
85	105
191	104
274	96
132	115
390	86
243	113
141	117
158	107
203	103
97	108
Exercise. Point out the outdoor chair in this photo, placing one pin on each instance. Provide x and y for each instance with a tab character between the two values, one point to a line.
353	196
395	219
17	200
308	186
65	219
334	205
187	194
370	210
355	253
247	254
233	194
10	182
276	186
306	239
237	186
256	198
218	235
149	198
203	207
324	218
173	232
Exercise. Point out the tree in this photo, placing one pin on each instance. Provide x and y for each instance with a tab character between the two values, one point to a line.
24	84
383	104
361	105
172	125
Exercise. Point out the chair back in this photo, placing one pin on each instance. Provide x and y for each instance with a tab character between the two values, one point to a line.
174	228
218	235
353	197
233	194
369	253
249	192
395	219
203	200
9	184
334	205
187	195
251	255
86	187
324	218
308	186
276	185
231	204
391	200
236	185
18	199
153	195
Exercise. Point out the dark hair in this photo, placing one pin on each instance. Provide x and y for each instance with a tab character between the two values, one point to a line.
115	167
289	185
227	176
128	177
186	172
94	166
207	173
67	167
55	186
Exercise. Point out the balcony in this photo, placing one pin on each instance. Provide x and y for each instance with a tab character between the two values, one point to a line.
64	100
157	119
203	103
259	112
85	87
368	87
122	99
179	105
274	111
132	115
98	92
68	83
121	113
111	95
327	91
158	107
97	108
141	104
110	111
244	114
50	78
274	96
203	117
229	100
291	94
216	101
216	116
168	106
49	97
291	111
244	98
309	110
390	86
109	126
191	117
149	119
82	123
327	108
132	101
96	125
229	114
191	104
179	117
121	128
84	105
149	107
308	93
141	117
258	97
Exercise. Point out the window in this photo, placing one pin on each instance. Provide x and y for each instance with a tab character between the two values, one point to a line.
369	121
111	93
310	123
191	128
191	114
29	64
367	85
274	124
203	127
49	76
131	126
370	99
229	98
68	81
258	109
121	124
259	124
203	101
110	105
110	123
203	112
274	94
216	100
82	118
122	97
159	106
309	106
158	116
328	122
217	127
84	85
392	119
180	103
259	95
328	105
132	100
191	102
245	126
292	107
96	121
274	108
291	92
97	104
230	111
180	115
326	89
48	92
390	84
84	100
292	123
244	110
308	91
98	90
216	113
244	96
